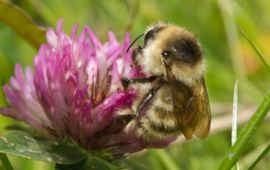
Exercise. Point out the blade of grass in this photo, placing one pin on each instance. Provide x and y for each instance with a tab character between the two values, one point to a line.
255	48
230	26
262	155
22	23
5	162
248	158
166	159
234	113
234	117
246	135
133	9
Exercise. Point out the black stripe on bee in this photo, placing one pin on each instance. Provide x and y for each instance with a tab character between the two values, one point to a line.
145	130
161	128
162	113
152	33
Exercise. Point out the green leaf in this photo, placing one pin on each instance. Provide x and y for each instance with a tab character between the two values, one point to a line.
22	23
246	135
92	163
25	145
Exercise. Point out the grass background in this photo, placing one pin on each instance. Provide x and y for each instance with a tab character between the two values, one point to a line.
229	56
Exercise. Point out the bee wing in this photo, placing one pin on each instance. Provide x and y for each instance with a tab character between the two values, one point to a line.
200	122
181	97
191	106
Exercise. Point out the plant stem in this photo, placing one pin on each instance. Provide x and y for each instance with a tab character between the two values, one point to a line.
246	135
5	162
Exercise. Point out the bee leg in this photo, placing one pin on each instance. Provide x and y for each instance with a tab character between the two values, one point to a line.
122	118
125	118
127	81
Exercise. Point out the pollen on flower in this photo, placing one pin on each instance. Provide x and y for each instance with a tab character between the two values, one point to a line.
75	90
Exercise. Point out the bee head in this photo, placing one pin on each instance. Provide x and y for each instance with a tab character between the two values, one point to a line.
174	45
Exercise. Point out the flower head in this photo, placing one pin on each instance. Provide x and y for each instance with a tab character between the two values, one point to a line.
75	91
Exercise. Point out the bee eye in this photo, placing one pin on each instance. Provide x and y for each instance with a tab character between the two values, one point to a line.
165	53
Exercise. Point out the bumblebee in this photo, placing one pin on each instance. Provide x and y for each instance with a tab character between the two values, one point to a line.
173	99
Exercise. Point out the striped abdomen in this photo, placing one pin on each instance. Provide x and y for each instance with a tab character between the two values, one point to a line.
160	120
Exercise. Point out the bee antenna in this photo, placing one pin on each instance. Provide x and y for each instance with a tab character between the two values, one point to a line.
133	42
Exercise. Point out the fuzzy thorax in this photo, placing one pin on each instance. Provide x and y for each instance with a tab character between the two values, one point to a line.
151	60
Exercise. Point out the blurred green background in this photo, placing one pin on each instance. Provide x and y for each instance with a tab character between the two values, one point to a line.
229	57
